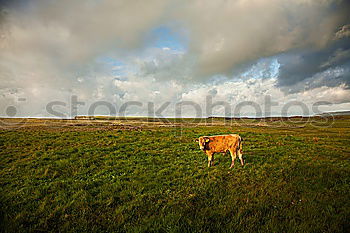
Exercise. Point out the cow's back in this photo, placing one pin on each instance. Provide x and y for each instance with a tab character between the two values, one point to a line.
222	143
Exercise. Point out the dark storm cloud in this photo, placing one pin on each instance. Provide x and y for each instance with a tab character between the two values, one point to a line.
228	34
332	63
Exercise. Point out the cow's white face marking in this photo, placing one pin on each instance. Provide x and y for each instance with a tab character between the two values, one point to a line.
202	141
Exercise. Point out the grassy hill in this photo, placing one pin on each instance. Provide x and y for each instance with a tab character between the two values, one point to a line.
143	176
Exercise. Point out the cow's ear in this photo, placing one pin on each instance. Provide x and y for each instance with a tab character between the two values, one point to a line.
197	140
207	140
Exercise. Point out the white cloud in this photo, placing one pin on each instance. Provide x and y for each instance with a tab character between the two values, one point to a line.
236	92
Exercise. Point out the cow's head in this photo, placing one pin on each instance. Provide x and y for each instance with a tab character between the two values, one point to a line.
202	141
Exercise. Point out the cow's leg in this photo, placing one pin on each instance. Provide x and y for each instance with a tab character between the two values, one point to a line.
210	158
240	156
233	156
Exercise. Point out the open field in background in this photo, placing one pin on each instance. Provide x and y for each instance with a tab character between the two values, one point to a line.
142	175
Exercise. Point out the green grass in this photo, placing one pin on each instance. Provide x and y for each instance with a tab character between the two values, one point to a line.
113	180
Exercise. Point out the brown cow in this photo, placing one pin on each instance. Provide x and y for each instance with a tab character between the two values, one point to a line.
221	144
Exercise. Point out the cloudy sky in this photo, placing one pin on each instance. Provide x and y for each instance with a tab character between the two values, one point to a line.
156	54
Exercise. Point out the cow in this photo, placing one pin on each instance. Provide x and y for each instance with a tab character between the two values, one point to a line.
221	144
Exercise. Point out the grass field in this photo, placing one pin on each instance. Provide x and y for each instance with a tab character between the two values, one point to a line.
150	176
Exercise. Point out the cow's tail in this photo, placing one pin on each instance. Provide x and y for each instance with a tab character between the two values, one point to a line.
239	148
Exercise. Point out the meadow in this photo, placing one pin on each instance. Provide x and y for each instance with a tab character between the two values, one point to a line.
144	175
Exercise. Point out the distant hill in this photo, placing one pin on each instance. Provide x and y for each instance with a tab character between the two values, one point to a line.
272	118
336	113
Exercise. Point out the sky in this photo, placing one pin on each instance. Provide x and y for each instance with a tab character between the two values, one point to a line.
169	58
